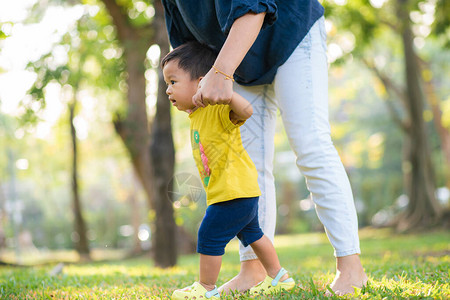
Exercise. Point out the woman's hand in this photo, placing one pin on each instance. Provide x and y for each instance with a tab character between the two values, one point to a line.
213	89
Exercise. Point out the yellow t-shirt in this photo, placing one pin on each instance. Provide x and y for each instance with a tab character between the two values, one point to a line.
226	170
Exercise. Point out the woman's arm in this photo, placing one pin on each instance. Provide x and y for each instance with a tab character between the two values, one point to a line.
214	88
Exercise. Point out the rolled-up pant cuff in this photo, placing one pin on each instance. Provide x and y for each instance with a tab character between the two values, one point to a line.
248	257
347	252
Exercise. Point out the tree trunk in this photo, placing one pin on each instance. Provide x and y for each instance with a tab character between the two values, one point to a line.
135	217
287	202
163	158
423	209
82	245
133	128
444	133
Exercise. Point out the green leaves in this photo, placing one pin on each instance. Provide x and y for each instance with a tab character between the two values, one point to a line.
441	25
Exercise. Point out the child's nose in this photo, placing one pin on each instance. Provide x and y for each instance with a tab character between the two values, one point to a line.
168	90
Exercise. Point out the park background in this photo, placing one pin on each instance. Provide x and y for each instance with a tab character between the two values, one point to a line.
95	164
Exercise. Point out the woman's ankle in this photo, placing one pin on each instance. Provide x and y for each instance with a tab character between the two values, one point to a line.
252	268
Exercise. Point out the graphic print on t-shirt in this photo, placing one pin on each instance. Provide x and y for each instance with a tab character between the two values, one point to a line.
205	174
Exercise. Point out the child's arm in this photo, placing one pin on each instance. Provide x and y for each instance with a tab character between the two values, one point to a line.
241	109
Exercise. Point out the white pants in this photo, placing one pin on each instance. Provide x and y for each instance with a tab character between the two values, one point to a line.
300	92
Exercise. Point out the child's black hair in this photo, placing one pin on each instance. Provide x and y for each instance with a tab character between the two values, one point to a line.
193	57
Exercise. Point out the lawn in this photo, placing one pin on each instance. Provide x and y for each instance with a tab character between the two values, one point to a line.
398	266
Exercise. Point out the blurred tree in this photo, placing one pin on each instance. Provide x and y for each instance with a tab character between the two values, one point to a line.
69	77
43	189
368	21
2	200
136	33
138	25
82	245
423	208
6	135
441	31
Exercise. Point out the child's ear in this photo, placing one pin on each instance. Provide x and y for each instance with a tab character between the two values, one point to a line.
199	79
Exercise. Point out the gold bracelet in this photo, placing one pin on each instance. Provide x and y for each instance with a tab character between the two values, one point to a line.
224	74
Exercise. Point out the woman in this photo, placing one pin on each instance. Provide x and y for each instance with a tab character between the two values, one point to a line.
275	51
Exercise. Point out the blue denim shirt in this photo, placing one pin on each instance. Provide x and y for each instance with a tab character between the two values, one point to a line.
208	21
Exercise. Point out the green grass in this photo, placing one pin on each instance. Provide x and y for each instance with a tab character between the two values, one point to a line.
399	266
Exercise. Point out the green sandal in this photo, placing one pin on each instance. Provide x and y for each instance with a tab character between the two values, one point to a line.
195	291
273	285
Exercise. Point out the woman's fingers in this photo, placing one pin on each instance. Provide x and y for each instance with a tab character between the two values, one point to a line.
215	89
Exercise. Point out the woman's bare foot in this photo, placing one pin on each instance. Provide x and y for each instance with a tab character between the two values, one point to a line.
252	272
349	274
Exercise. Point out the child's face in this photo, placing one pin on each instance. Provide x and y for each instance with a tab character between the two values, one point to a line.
180	87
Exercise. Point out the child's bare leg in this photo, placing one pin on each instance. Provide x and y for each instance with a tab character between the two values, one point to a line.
267	255
209	270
